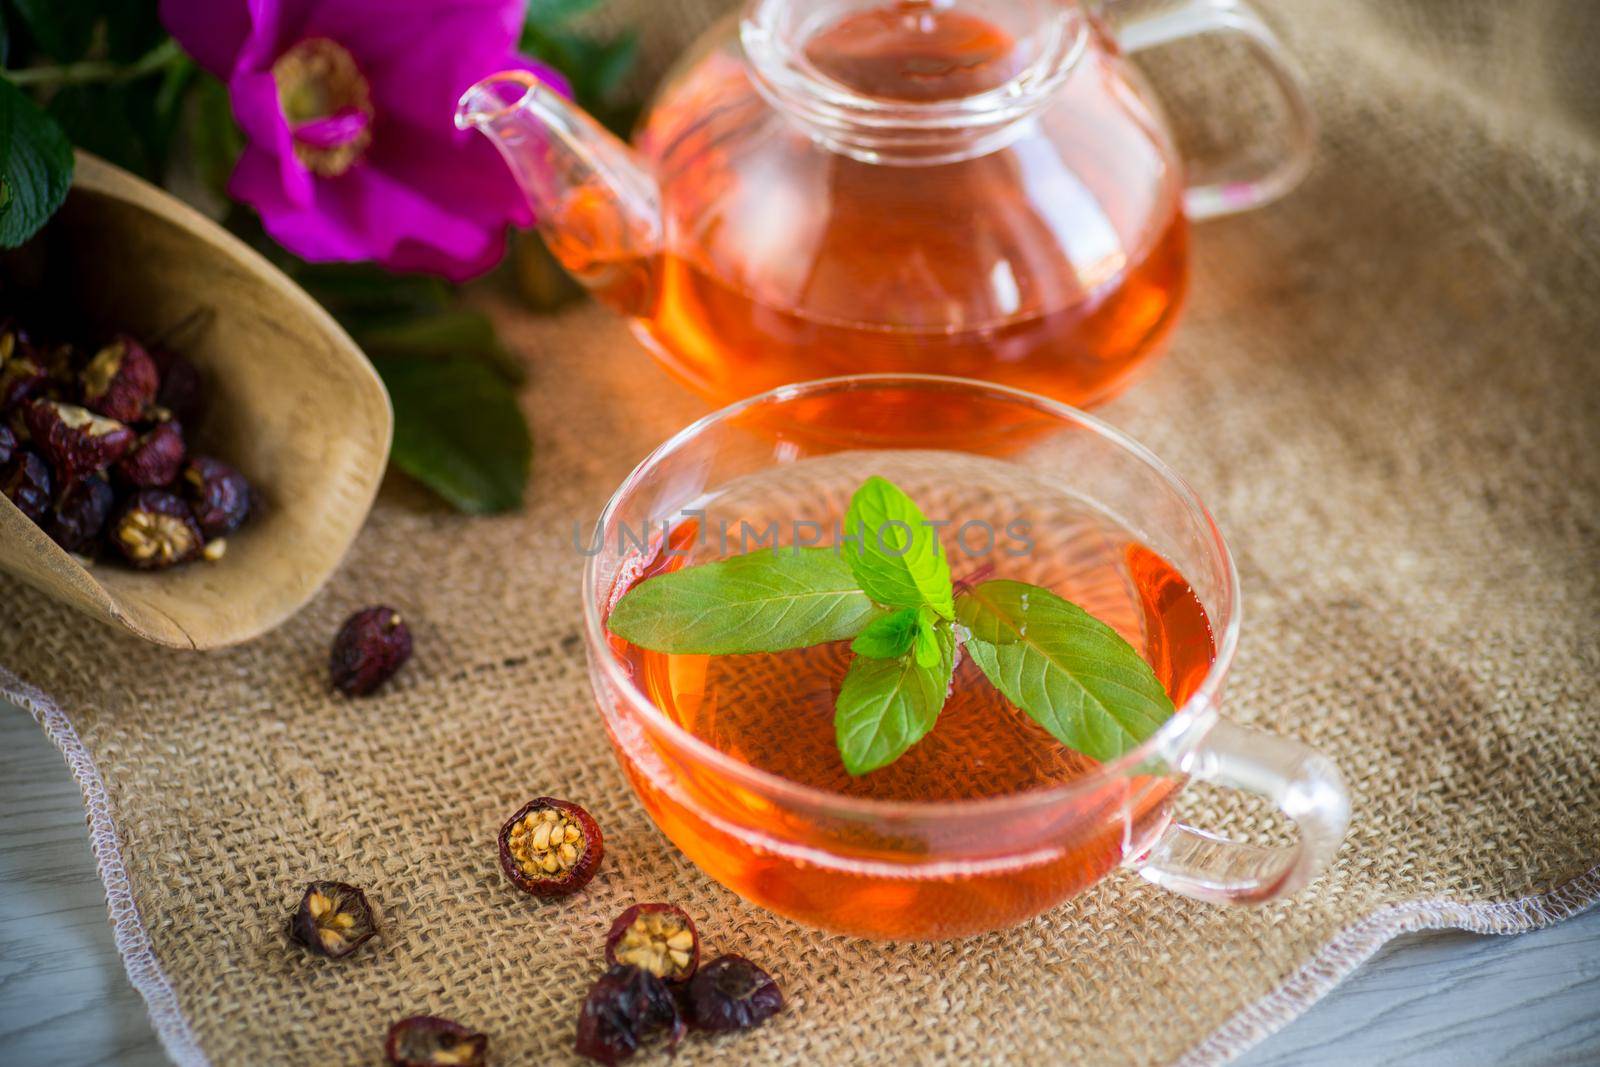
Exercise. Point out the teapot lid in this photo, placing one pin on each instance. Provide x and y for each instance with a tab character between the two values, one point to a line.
906	80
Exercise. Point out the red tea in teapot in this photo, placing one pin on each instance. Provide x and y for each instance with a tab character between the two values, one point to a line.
1042	246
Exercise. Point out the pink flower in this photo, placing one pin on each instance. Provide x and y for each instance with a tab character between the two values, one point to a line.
346	108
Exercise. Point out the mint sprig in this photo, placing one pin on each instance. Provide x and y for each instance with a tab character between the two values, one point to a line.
887	589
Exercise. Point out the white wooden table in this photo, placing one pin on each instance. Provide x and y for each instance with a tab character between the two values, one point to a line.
1450	999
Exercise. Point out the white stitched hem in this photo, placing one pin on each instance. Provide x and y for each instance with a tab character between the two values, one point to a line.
1356	943
128	930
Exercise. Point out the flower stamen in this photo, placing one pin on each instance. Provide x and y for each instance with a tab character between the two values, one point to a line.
327	103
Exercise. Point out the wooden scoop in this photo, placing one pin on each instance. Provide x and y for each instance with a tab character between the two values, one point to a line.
292	403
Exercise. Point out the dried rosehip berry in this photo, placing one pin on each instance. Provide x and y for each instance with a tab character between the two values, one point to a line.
183	391
155	530
428	1040
60	362
731	993
17	423
220	496
369	648
155	459
8	445
661	938
21	377
81	513
26	481
625	1006
76	441
333	919
550	848
12	337
121	381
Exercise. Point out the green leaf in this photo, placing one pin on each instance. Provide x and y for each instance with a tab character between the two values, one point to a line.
763	601
133	27
442	334
613	62
554	11
887	705
96	118
363	289
925	645
888	636
1069	671
131	124
595	69
895	552
35	166
459	431
62	28
173	86
214	138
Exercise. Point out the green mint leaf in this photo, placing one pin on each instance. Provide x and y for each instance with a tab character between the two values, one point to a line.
763	601
888	636
458	430
1069	671
35	166
887	705
896	555
925	645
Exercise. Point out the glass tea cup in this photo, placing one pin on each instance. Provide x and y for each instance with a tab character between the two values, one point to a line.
977	843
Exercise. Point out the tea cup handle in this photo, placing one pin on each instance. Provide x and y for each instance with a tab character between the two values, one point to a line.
1195	17
1305	786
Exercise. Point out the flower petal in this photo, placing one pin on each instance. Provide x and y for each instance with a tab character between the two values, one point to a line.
260	115
213	33
365	214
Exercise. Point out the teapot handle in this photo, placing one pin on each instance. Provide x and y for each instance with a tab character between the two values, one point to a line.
1195	17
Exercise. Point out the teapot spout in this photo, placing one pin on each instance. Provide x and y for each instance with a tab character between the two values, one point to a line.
597	205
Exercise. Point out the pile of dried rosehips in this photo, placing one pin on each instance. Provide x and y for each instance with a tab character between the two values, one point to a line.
654	984
93	451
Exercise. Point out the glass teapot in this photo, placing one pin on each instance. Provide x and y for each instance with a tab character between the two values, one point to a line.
979	188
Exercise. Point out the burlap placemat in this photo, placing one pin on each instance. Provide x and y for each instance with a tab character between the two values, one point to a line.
1386	387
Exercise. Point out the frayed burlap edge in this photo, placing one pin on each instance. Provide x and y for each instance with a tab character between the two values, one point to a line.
1358	942
1312	981
127	927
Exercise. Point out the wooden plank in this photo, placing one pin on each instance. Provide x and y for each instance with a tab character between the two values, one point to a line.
64	998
